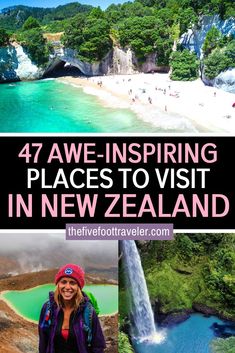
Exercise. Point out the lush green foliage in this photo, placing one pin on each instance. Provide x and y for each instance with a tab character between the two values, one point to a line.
30	23
56	26
149	27
198	268
124	344
36	46
4	37
13	18
215	63
187	17
146	35
220	60
117	13
184	65
31	38
89	36
221	345
194	268
224	7
212	40
63	12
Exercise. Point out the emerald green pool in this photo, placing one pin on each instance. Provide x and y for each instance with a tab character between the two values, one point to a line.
28	303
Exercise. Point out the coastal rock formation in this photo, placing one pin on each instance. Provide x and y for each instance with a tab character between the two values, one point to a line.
15	65
226	81
194	38
117	61
123	62
150	63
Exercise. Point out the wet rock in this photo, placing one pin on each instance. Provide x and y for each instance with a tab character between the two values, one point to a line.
226	81
204	309
175	318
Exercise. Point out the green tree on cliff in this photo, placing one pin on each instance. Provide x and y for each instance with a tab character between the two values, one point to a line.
212	40
4	37
185	66
31	38
220	60
30	23
89	36
145	36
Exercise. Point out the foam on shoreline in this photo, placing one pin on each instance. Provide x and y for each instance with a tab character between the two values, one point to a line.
168	105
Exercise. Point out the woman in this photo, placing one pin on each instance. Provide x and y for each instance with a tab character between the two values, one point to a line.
68	323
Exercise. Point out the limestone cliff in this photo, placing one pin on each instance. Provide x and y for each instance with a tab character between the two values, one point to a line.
16	65
117	61
226	81
195	37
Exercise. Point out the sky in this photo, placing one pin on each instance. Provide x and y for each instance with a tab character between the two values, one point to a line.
53	3
47	250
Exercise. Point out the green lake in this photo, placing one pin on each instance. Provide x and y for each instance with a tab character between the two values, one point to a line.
28	303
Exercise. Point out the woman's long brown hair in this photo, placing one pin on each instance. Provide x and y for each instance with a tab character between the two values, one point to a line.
78	298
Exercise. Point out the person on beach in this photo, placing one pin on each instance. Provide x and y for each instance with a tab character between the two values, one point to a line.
68	322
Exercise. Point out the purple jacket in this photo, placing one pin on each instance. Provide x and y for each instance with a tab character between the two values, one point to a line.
47	332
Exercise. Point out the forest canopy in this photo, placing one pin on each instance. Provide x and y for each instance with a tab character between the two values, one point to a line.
151	28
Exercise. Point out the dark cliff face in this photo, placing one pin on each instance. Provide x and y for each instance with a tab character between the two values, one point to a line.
8	64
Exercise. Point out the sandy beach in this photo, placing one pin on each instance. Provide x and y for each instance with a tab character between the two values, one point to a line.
169	105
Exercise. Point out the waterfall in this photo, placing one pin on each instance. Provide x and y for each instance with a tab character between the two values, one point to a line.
141	310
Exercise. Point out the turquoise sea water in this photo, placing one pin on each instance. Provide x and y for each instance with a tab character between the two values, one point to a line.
191	336
51	106
29	302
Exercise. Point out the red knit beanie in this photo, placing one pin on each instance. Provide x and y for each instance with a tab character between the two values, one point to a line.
72	271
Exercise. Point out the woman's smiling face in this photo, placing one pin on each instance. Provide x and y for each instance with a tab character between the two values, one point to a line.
68	288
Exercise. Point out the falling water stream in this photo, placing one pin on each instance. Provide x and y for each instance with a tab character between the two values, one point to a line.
141	311
193	335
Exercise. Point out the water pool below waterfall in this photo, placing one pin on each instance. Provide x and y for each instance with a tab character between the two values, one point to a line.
191	336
